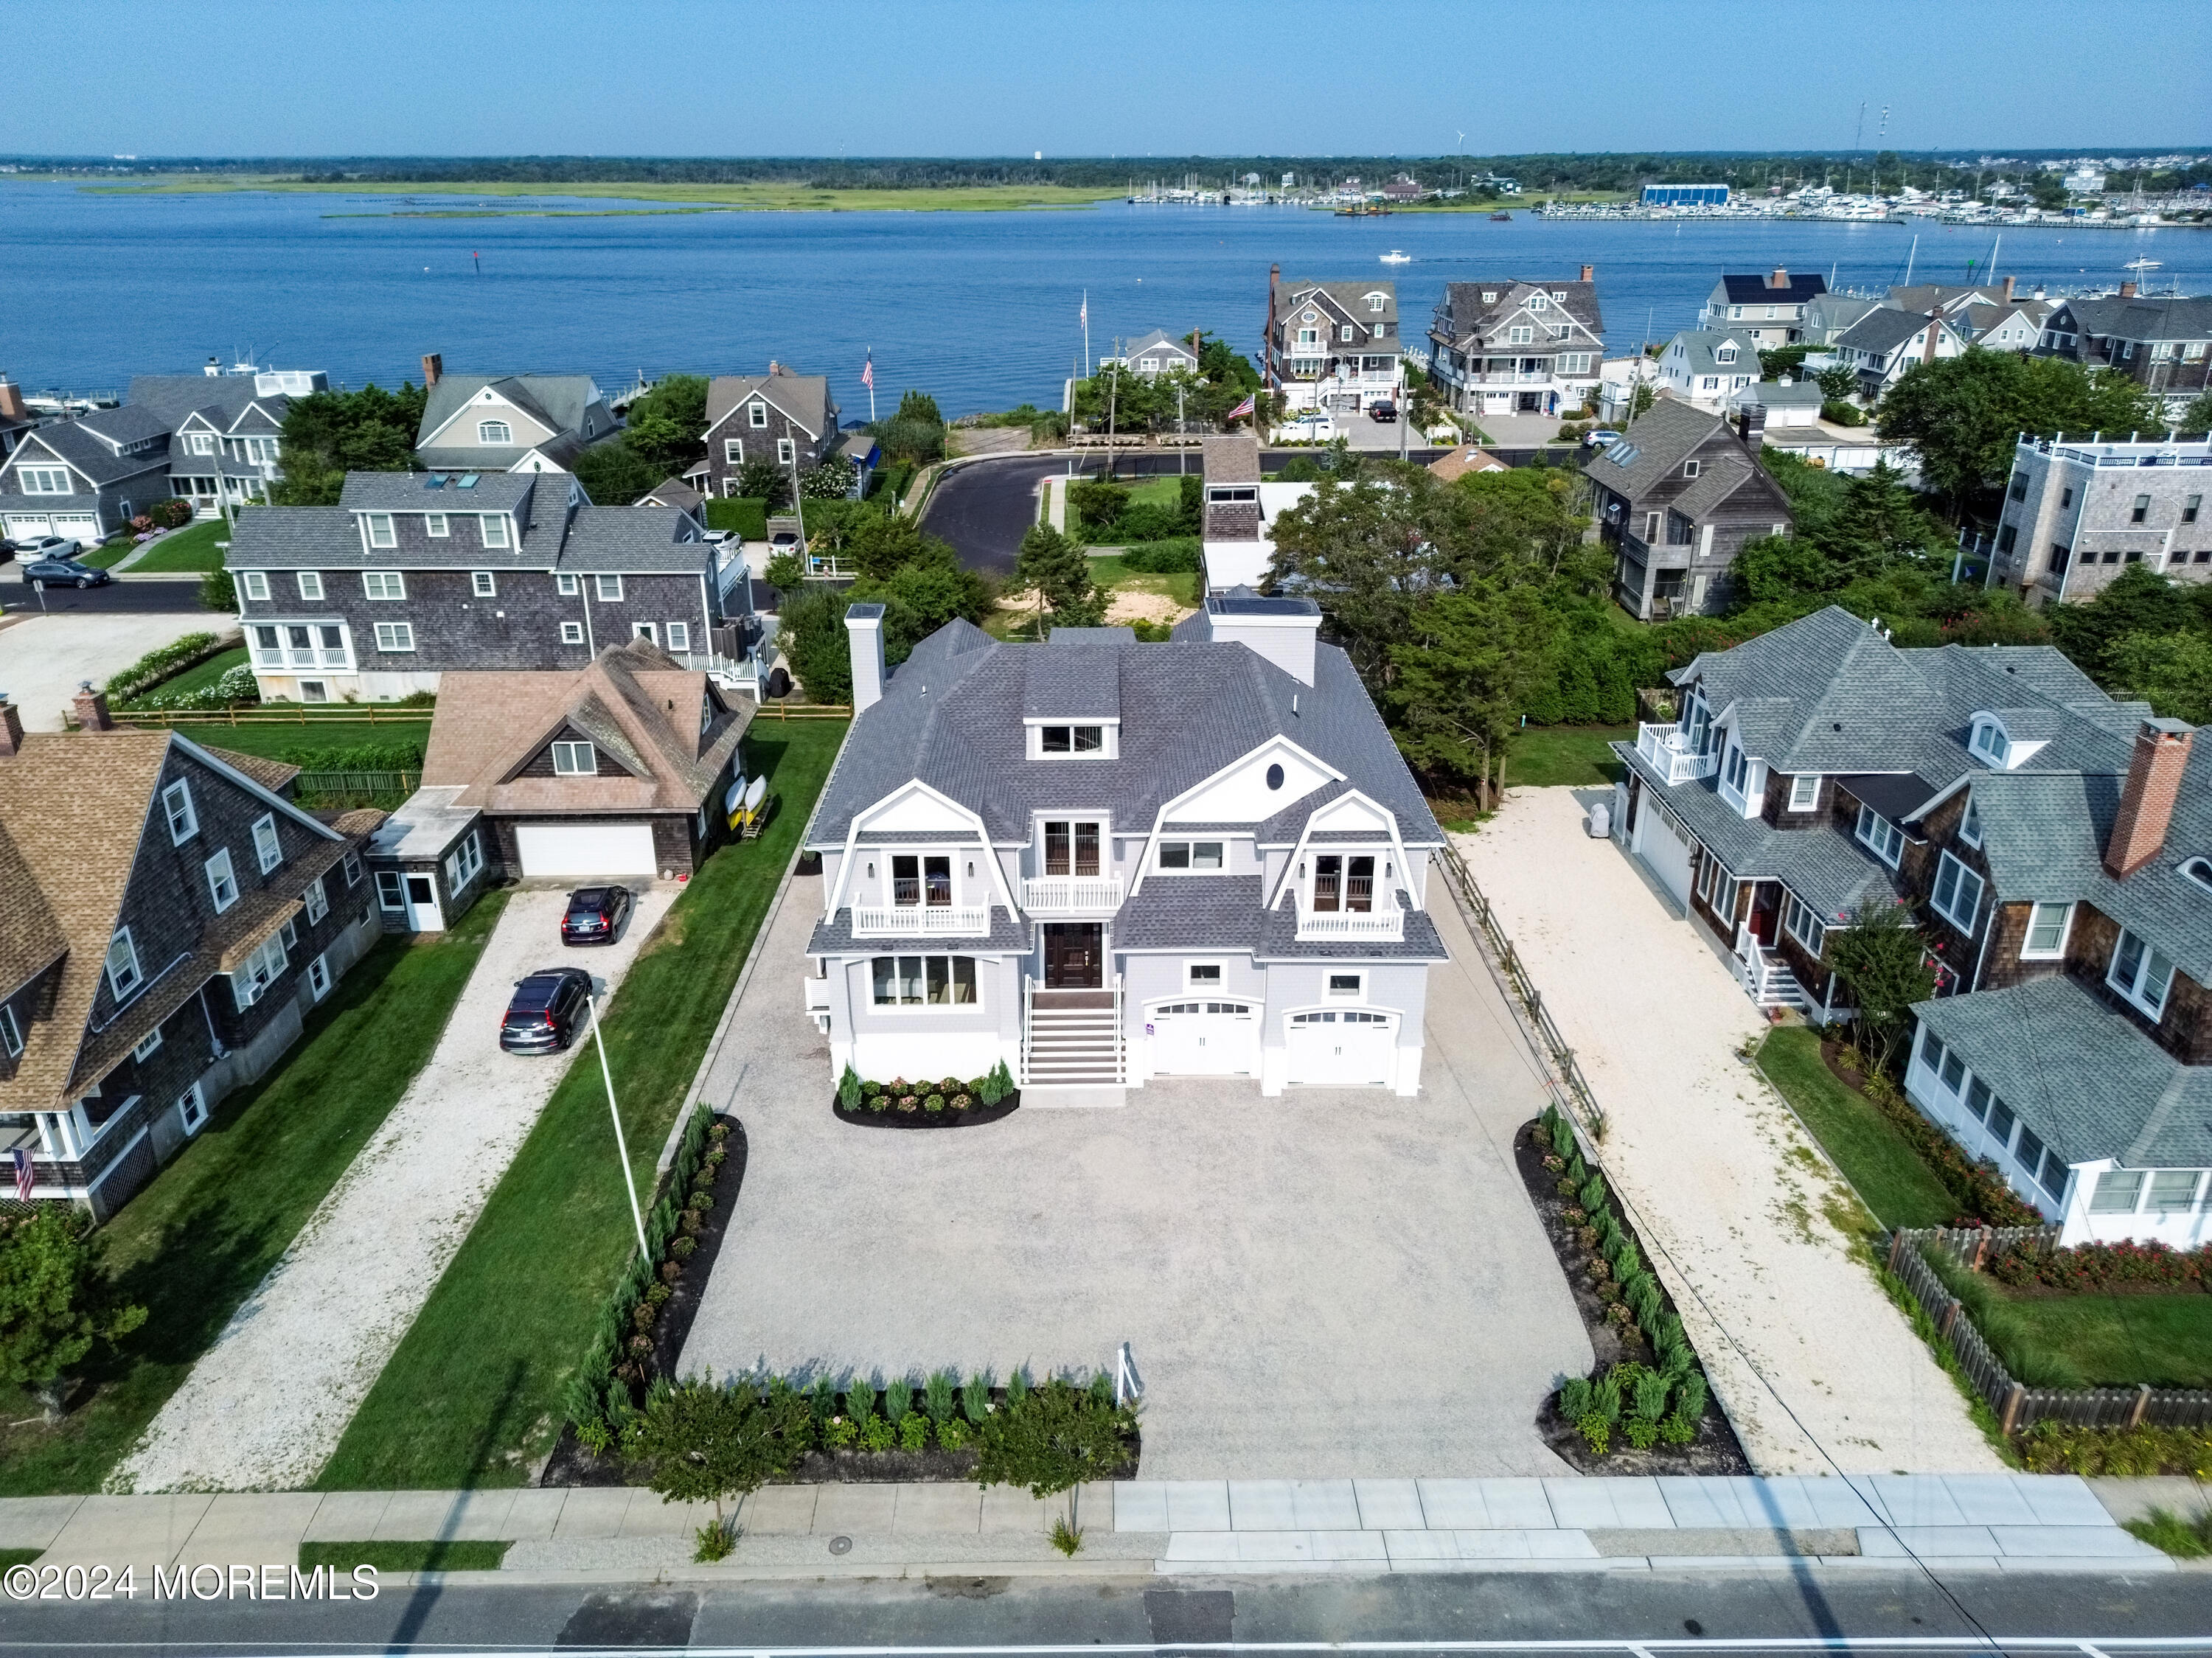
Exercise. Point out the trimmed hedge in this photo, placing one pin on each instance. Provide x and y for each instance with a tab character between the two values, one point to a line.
742	515
156	665
1177	556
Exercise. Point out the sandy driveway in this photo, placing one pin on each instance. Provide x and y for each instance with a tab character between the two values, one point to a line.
1333	1282
1719	1170
44	658
266	1405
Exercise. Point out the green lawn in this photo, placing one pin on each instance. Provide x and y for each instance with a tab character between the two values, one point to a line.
1157	491
461	1555
285	741
204	1234
2118	1341
1874	1157
1182	586
199	676
192	548
471	1398
1551	756
105	555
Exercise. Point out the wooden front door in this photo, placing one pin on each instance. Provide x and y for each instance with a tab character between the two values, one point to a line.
1766	910
1074	955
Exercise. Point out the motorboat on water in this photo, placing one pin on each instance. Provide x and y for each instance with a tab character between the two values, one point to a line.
1394	257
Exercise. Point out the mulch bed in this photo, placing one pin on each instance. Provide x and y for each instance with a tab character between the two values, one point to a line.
1714	1450
892	1117
571	1464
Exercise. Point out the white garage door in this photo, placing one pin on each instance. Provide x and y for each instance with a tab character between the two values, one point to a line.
1344	1047
584	848
1664	846
1204	1038
28	526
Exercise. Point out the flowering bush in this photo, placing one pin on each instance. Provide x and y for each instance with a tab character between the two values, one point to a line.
236	686
2094	1266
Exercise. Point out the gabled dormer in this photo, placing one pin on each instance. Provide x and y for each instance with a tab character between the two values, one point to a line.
1072	701
2004	739
574	751
1343	874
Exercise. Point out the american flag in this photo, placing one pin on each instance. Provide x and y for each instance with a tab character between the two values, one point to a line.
868	372
24	1176
1084	315
1241	409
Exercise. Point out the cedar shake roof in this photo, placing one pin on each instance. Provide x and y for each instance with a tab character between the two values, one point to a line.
633	700
804	398
1232	459
1468	457
275	775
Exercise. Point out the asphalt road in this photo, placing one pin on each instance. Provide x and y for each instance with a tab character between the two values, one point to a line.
117	598
1779	1611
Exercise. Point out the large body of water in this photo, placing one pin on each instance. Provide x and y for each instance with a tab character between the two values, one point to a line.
979	308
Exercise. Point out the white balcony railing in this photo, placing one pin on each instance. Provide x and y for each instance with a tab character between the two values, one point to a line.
920	921
1385	923
1090	895
1665	747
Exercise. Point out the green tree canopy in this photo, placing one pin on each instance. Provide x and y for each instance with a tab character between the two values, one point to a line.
56	1302
1963	414
666	428
1059	572
1473	658
2173	672
705	1442
760	479
614	475
327	435
1884	968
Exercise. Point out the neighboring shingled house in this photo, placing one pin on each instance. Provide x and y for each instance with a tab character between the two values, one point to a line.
168	916
508	422
1770	308
1100	861
779	417
2055	844
1333	345
1708	365
1513	346
1676	498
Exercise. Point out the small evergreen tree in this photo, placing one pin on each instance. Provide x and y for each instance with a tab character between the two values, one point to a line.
1883	966
1059	571
56	1303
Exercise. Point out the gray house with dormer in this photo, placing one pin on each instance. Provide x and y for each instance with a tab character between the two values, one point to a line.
1332	344
1513	346
1102	862
508	422
414	573
779	417
85	478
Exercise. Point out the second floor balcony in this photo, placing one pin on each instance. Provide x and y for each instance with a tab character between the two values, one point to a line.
1667	748
921	920
1385	922
1072	894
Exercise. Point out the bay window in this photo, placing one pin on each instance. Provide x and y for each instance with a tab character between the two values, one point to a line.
923	980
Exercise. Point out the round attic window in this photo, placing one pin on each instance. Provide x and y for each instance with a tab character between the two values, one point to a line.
1274	777
1308	317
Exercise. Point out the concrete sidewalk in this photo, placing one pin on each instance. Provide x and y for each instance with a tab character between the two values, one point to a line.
1984	1522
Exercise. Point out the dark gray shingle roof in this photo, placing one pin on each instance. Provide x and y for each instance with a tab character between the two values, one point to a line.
413	492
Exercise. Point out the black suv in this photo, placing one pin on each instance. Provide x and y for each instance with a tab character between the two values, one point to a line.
546	1010
595	915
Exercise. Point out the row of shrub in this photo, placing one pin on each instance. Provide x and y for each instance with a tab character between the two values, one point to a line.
1633	1398
156	665
1176	556
2055	1447
2094	1266
359	757
601	1397
234	689
1978	1188
947	1094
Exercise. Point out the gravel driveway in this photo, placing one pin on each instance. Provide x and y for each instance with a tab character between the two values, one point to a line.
44	658
1717	1168
1329	1283
263	1407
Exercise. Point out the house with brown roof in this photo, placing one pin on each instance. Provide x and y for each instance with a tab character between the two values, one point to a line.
168	918
1468	457
781	416
622	769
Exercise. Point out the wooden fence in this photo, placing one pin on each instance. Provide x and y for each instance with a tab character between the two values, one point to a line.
367	714
806	711
380	784
1484	920
2016	1403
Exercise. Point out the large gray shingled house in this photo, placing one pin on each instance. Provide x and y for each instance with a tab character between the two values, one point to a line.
414	574
1102	861
2056	847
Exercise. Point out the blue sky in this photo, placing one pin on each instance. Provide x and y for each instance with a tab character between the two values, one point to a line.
1071	78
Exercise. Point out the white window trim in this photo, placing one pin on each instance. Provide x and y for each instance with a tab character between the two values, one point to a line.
482	584
491	529
786	453
318	900
311	585
1804	790
395	638
734	452
192	1109
436	525
11	1034
2028	952
1357	994
1191	981
1950	914
1888	846
1970	825
220	874
759	412
392	580
268	850
588	753
486	428
123	992
566	585
924	1009
679	635
381	530
572	633
1796	907
177	804
148	1047
600	589
254	584
386	899
319	977
2131	991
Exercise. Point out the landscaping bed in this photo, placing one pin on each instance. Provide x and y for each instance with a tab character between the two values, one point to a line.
947	1103
1633	1329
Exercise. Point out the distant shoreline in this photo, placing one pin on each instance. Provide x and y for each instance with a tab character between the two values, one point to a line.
728	198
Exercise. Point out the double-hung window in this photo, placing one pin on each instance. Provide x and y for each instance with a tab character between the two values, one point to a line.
395	635
124	977
1969	826
610	589
572	633
463	863
787	451
2047	925
257	973
384	583
318	903
222	882
1957	894
565	585
268	851
1806	927
492	527
391	890
734	452
575	760
177	807
254	584
758	411
1737	769
2141	974
679	636
2119	1191
436	525
482	584
380	533
1880	837
311	585
1804	790
923	980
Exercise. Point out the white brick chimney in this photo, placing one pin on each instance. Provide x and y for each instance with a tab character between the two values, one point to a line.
864	633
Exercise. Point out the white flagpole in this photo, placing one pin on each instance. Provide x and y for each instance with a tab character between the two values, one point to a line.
1086	333
872	386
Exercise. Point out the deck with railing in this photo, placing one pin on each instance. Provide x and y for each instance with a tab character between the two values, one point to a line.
921	920
1666	748
1088	895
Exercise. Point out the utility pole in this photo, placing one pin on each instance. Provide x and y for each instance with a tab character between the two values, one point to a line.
1180	458
1113	392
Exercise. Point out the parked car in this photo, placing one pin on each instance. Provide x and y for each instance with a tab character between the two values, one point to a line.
546	1010
1383	411
1601	439
48	547
595	915
64	573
